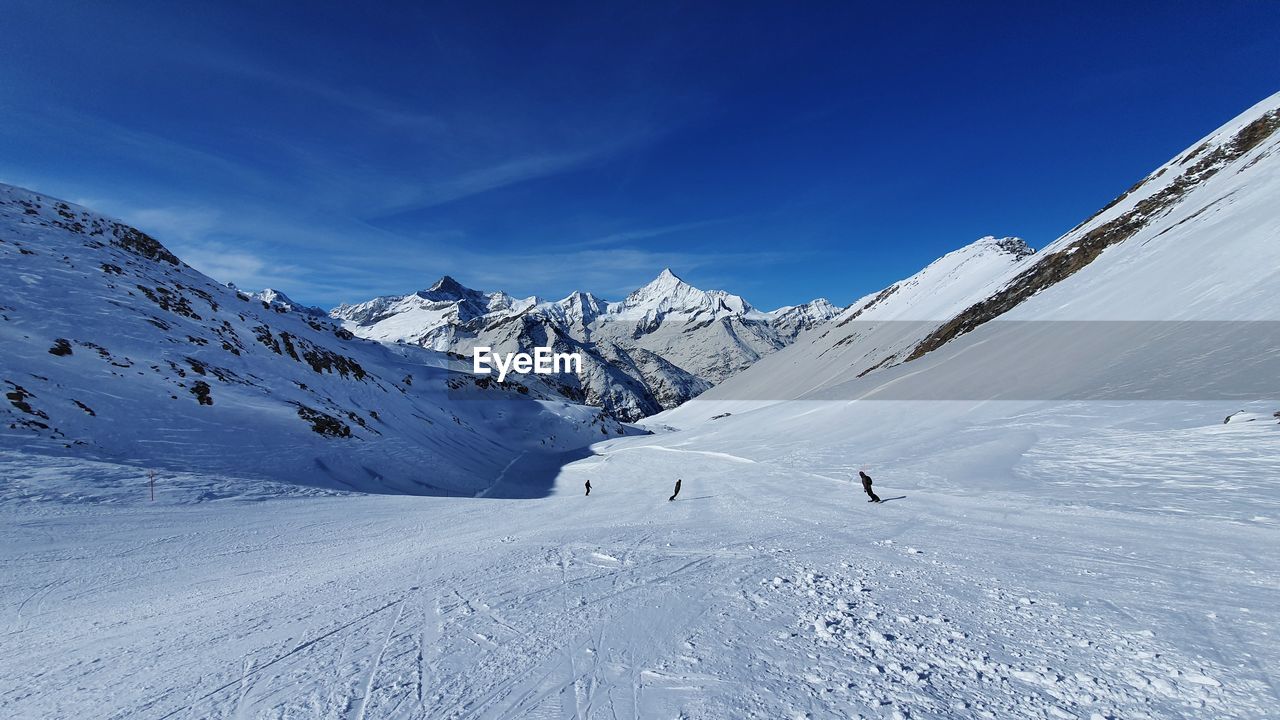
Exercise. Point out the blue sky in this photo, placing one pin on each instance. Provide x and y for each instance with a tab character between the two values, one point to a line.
781	151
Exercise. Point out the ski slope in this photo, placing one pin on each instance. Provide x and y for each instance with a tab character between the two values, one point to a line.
1021	566
1068	531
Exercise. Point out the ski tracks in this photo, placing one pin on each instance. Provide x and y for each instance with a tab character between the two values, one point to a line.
376	665
887	639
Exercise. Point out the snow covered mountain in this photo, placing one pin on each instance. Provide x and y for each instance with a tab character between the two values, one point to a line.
881	328
276	300
1196	242
114	349
661	345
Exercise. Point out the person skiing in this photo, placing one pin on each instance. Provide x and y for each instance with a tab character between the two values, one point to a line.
588	488
677	492
866	485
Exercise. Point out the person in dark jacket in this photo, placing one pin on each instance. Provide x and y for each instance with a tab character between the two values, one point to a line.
866	485
677	492
588	487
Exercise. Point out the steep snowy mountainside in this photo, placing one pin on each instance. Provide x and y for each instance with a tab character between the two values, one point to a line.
116	350
661	345
1169	278
877	330
1194	240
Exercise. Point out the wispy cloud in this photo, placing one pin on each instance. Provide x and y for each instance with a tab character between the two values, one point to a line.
186	225
372	106
314	179
443	156
628	236
247	270
508	172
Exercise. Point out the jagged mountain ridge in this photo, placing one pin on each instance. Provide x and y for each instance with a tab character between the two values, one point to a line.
659	346
116	350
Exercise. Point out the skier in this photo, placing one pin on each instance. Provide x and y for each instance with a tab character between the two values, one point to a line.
677	492
866	485
588	487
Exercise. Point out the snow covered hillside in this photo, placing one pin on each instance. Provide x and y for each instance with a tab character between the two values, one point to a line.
880	329
1036	565
661	345
114	349
1183	263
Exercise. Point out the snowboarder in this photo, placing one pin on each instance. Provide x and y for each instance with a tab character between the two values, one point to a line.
866	485
588	487
677	492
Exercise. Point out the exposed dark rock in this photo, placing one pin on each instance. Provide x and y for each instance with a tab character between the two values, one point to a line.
287	339
264	336
201	390
323	423
169	300
1058	266
140	243
18	398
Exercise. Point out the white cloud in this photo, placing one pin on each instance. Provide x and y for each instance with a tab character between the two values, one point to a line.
247	270
175	223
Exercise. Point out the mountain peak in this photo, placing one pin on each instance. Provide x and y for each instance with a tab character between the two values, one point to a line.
279	300
667	287
271	295
446	284
665	281
1015	246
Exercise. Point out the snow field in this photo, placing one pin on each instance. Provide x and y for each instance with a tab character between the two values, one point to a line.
764	591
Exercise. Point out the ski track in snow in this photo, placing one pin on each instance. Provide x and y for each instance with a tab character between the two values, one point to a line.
708	453
485	492
764	591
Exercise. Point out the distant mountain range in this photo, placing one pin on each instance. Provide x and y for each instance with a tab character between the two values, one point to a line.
655	349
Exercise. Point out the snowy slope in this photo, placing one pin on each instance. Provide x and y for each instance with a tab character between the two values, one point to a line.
1002	578
878	330
1184	263
1195	239
661	345
116	350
